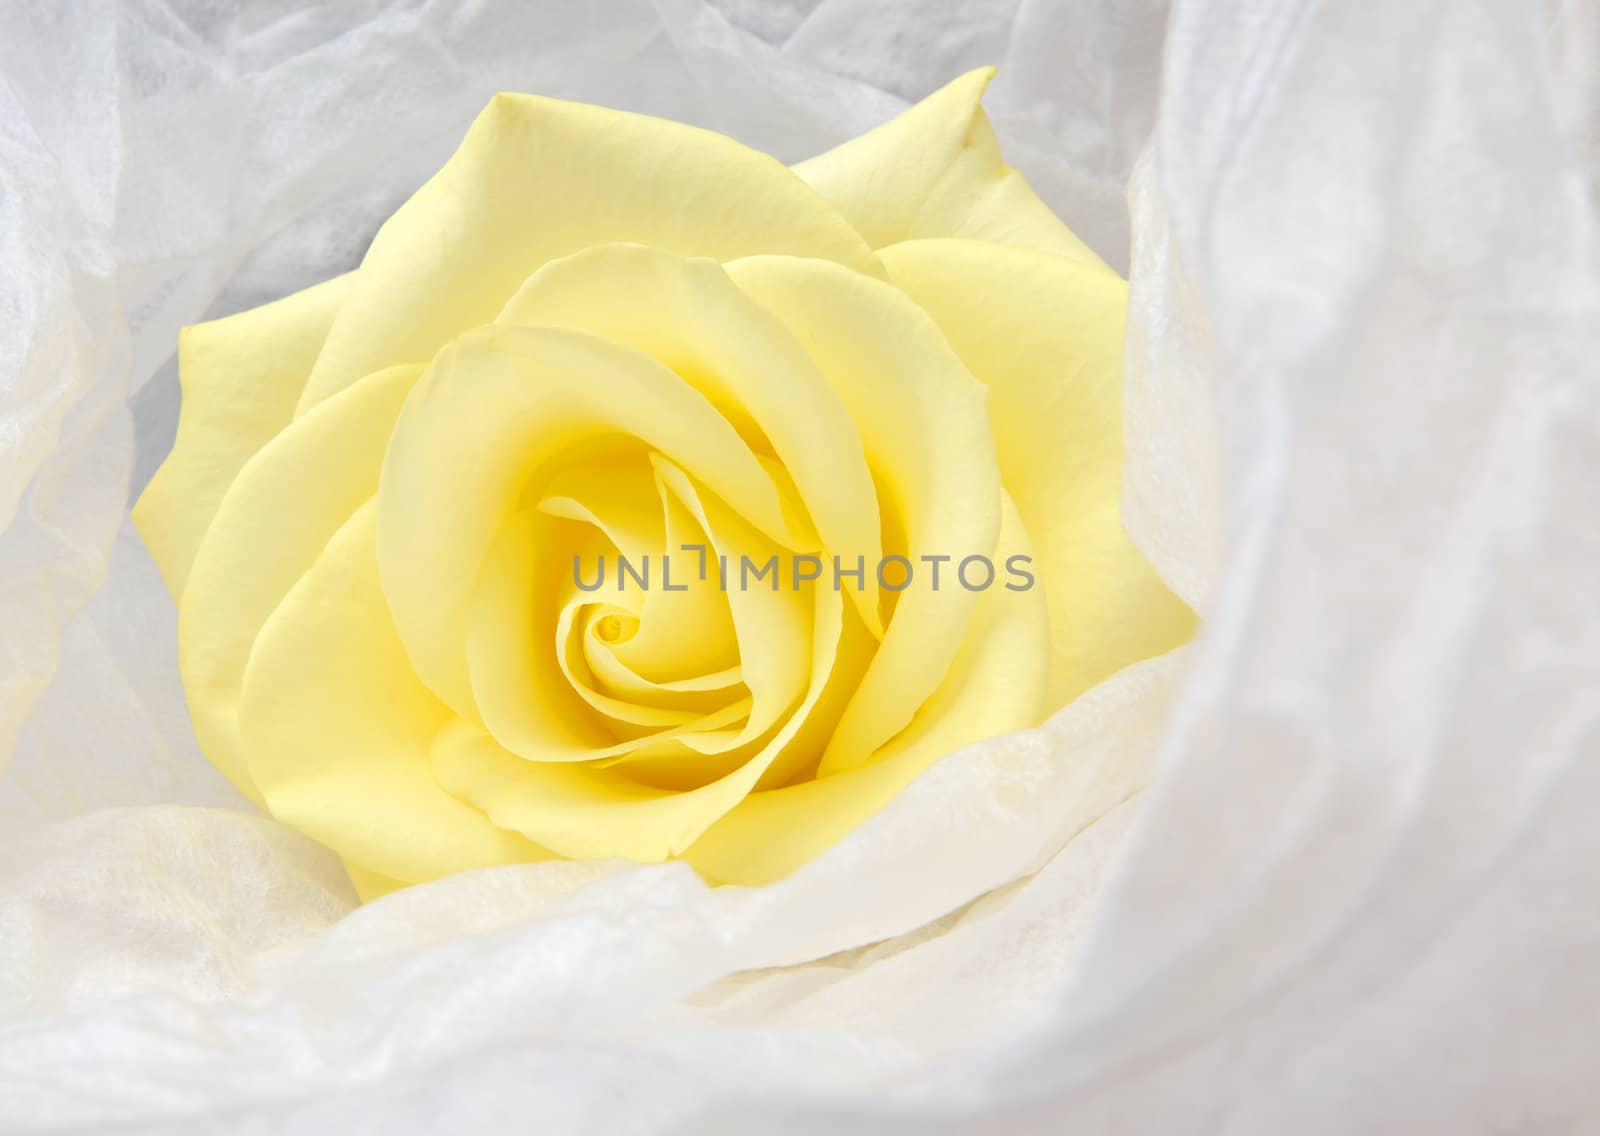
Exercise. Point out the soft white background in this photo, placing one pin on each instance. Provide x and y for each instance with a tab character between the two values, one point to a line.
1363	893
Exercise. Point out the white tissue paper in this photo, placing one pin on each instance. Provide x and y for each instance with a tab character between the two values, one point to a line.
1363	427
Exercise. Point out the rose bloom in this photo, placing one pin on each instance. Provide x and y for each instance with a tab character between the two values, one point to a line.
596	335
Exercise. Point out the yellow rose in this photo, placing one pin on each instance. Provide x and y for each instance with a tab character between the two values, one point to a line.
596	337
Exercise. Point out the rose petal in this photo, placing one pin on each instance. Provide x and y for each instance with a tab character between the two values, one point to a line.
995	684
370	885
522	696
281	511
492	410
696	691
337	728
581	811
582	650
242	377
680	634
922	422
688	315
537	179
1045	334
936	171
526	691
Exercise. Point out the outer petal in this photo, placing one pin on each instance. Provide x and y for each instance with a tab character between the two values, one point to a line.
536	179
1045	334
337	728
282	510
242	377
370	885
936	171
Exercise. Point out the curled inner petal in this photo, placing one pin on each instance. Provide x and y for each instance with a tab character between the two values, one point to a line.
493	410
924	429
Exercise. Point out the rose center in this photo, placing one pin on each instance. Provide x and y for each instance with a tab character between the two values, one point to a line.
616	628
